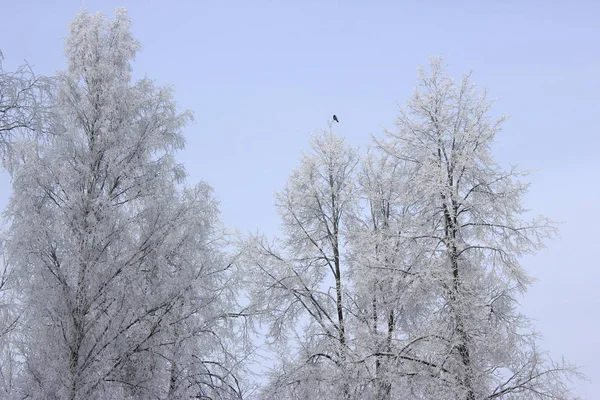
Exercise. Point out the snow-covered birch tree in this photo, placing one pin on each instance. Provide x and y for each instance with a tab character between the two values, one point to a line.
471	223
124	291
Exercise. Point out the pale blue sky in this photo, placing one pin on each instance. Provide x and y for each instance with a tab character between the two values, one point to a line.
261	76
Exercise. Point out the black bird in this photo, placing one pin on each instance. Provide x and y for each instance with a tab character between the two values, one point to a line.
335	119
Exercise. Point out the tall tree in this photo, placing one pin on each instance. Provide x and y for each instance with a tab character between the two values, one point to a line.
470	222
124	290
302	278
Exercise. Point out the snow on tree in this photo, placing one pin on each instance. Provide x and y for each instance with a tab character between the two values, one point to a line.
299	281
470	222
401	280
396	279
124	292
24	104
24	110
385	274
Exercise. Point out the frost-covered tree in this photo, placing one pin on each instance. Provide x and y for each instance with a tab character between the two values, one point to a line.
401	280
24	110
386	278
123	290
472	232
299	281
24	103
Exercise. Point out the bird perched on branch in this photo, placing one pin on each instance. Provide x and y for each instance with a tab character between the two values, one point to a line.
335	118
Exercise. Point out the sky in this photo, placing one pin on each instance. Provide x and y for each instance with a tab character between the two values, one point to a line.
261	76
